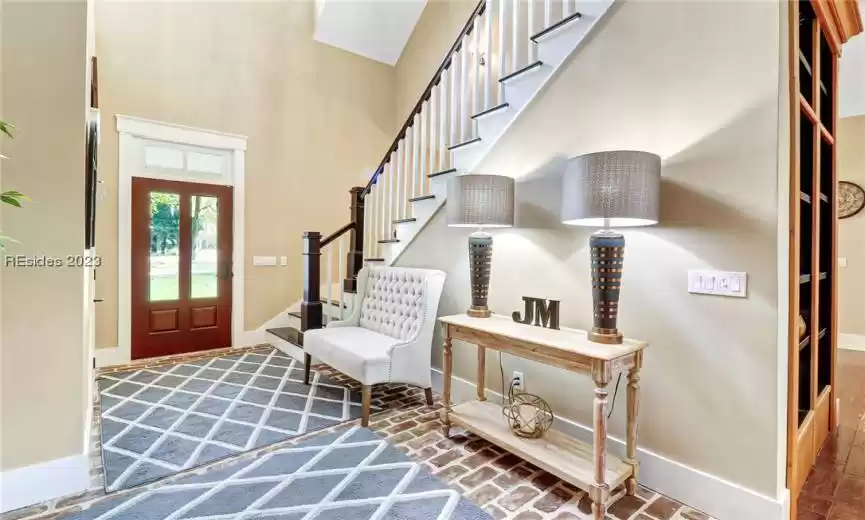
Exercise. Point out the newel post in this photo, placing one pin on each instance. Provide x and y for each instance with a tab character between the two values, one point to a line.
354	260
310	308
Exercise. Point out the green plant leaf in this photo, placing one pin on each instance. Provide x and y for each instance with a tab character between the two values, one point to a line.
6	128
12	201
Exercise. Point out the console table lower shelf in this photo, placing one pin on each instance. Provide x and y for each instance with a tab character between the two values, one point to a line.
565	457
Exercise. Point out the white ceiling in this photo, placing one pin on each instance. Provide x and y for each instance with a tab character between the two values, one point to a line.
376	29
851	76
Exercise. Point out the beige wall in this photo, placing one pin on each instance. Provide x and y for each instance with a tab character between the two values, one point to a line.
435	32
851	231
43	92
318	119
666	78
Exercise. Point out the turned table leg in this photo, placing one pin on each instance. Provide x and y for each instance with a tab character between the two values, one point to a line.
633	412
600	492
448	369
482	373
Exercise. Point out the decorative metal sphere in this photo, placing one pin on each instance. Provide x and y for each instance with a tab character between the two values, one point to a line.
528	415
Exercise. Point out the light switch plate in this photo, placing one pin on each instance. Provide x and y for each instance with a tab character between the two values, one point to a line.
842	261
718	283
263	260
283	260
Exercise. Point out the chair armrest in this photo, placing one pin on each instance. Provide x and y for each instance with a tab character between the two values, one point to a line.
340	323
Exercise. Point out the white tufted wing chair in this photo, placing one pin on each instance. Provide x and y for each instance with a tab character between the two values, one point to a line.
387	338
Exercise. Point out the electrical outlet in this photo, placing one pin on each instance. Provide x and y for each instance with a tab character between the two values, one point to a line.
518	382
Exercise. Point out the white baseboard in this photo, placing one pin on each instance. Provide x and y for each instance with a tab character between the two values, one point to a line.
56	478
249	338
107	357
851	342
721	499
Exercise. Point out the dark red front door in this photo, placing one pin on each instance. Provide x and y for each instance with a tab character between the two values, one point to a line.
181	267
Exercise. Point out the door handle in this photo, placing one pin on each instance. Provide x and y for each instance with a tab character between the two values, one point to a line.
224	271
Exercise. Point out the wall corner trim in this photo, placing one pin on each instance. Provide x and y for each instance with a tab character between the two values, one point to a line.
851	341
719	498
21	487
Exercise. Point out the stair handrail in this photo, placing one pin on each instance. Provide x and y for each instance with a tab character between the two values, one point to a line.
338	233
446	63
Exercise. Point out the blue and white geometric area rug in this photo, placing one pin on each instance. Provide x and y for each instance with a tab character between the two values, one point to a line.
159	421
349	475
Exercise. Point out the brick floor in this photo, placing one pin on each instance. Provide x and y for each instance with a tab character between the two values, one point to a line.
503	484
835	489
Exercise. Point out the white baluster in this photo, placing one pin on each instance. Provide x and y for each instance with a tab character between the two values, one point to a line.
416	158
393	209
433	135
488	55
502	48
329	277
464	90
515	35
566	8
476	74
368	213
424	150
455	99
548	13
341	257
443	123
405	175
382	201
532	49
372	225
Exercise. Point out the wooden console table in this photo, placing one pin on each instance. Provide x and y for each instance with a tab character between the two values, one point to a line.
588	467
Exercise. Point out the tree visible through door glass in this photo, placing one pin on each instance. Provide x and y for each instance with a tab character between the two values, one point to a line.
205	211
164	253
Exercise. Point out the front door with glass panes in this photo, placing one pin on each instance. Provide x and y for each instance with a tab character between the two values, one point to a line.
181	267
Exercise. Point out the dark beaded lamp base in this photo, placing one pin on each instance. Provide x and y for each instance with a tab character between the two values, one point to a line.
608	254
480	260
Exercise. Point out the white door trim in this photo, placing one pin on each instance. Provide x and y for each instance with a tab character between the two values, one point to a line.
132	130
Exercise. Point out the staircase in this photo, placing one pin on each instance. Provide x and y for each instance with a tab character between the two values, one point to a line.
500	61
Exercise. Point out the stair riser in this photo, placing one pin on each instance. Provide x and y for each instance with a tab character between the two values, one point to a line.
292	350
424	209
406	230
467	157
558	45
493	125
523	89
439	187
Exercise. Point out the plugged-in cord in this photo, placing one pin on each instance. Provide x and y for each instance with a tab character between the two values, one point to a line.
615	393
509	396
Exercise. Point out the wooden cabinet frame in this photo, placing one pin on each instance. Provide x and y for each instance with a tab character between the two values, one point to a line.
818	28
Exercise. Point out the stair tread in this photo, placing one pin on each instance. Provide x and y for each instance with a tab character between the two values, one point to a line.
490	110
425	197
561	23
516	73
465	143
324	317
443	172
388	241
403	220
373	259
289	334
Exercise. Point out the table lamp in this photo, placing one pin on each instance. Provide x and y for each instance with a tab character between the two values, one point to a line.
610	189
480	201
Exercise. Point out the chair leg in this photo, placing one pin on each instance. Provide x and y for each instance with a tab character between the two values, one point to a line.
428	393
307	364
367	398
